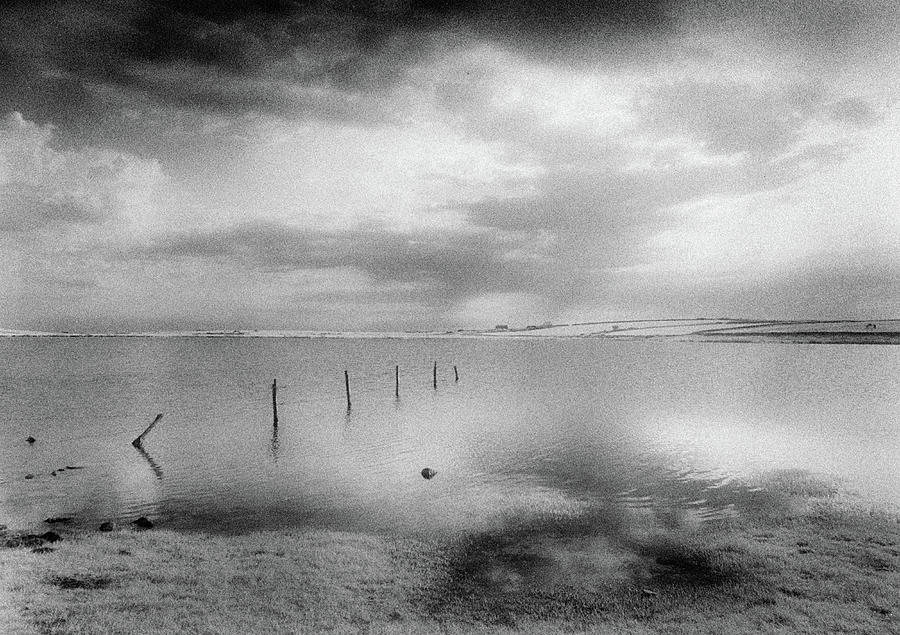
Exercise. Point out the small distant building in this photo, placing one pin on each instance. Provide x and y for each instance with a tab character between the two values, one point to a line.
501	327
615	327
871	327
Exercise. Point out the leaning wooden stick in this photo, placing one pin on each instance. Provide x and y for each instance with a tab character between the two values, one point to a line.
456	373
137	442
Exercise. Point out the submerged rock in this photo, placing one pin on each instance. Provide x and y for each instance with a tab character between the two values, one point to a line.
143	523
107	526
428	473
31	439
50	536
28	477
43	550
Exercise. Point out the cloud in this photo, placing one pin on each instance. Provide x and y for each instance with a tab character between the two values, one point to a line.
447	263
62	211
828	35
851	287
42	187
486	310
740	117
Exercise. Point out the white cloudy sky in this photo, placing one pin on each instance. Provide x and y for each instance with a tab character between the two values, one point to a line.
386	164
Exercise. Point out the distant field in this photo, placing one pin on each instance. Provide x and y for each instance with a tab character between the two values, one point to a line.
705	329
837	331
870	327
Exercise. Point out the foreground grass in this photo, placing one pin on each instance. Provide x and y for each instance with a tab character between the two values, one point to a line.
797	558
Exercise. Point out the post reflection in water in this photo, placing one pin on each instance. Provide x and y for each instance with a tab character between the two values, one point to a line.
157	470
273	448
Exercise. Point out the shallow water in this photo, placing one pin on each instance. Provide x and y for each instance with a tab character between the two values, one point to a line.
532	428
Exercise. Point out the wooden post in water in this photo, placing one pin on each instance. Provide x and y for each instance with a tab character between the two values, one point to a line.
455	373
137	442
434	376
397	382
274	403
347	387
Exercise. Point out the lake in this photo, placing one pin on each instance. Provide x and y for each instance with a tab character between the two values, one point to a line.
533	427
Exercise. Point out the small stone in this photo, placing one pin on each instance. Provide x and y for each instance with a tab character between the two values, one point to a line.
58	519
31	439
53	473
428	473
106	526
649	592
43	550
143	523
50	536
28	477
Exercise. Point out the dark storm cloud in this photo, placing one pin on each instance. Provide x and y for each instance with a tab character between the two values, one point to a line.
451	264
546	28
234	57
280	56
60	59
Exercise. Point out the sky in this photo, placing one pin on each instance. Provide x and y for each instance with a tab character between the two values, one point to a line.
387	165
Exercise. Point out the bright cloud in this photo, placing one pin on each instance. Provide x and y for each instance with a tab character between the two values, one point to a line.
46	188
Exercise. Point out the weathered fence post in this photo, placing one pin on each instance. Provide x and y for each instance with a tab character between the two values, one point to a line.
434	376
347	387
397	382
455	373
274	403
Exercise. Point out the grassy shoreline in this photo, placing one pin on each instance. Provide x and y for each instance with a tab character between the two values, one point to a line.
799	558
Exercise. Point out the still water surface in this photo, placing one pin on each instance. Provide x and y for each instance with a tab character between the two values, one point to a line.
541	427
